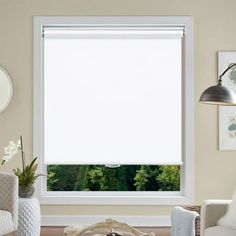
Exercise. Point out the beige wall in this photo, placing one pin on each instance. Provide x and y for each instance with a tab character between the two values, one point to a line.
214	30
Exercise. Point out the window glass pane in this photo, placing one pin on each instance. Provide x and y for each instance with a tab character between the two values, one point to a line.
123	178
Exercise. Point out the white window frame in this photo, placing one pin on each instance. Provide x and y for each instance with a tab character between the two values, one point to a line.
185	195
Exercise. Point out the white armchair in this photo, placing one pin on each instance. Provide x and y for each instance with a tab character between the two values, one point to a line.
211	212
8	203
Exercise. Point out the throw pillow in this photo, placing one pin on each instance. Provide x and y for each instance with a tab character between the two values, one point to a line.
229	219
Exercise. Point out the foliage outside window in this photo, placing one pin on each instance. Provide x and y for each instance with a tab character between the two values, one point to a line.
124	178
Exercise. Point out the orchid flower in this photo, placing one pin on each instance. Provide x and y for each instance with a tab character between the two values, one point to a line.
11	150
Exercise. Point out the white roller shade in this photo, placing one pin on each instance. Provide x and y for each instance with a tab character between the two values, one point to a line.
112	96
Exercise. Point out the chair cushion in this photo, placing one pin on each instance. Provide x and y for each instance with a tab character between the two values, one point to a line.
219	231
6	222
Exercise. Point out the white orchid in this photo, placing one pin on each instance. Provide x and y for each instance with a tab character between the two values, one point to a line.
11	150
27	176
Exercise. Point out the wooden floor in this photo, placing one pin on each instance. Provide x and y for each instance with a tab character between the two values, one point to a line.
58	231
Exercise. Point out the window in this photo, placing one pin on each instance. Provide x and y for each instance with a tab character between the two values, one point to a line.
112	92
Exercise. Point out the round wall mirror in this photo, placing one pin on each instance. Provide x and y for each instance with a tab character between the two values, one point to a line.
6	89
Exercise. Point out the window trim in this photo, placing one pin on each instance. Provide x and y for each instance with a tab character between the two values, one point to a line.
185	196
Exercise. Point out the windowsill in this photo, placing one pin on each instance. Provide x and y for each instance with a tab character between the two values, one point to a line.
109	198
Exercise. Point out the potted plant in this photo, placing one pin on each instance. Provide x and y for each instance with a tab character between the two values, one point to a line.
27	176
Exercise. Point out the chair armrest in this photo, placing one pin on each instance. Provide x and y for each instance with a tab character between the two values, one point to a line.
211	211
183	222
9	195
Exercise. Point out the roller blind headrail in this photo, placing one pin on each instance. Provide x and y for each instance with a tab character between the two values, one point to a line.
118	31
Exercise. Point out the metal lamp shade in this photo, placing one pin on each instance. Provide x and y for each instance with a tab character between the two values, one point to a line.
218	95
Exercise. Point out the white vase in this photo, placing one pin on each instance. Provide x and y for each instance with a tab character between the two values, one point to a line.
29	219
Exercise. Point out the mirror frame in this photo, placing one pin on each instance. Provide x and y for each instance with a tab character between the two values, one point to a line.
11	89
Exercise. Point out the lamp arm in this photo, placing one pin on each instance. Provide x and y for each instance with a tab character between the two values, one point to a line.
232	65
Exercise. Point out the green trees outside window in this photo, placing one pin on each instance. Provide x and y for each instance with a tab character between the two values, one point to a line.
123	178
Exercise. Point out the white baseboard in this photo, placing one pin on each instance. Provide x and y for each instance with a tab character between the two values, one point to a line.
85	220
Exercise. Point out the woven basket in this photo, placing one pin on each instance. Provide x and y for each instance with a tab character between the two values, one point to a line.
197	221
